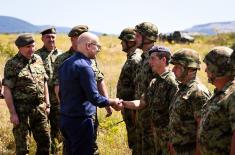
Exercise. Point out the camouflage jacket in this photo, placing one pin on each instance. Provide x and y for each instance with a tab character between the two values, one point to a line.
48	58
125	85
99	76
218	122
184	110
61	58
143	77
25	78
158	97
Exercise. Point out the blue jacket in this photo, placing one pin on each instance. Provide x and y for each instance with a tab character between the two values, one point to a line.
78	90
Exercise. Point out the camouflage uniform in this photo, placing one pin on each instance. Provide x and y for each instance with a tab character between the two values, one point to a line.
160	87
218	114
184	111
59	60
49	58
26	79
186	106
144	75
98	75
126	86
126	91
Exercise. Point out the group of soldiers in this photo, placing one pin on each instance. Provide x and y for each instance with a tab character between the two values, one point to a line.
171	111
31	90
165	111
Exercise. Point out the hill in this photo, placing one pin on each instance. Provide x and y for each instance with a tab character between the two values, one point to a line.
15	25
212	28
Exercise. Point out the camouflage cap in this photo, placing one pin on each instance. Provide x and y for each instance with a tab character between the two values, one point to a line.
78	30
128	34
186	57
50	30
24	40
159	49
218	61
148	30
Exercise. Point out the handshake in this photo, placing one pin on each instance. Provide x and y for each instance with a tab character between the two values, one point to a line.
116	104
119	104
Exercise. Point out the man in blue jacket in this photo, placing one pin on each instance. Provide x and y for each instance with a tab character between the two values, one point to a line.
79	96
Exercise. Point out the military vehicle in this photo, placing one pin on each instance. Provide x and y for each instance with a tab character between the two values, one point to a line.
176	37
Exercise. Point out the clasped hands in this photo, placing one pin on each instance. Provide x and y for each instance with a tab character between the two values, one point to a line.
116	104
119	104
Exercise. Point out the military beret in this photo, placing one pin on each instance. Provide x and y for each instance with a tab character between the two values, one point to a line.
24	39
78	30
50	30
159	49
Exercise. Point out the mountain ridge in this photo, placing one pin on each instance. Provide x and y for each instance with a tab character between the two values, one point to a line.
15	25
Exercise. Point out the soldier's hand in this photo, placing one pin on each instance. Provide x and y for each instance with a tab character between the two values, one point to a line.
47	110
14	119
118	105
109	111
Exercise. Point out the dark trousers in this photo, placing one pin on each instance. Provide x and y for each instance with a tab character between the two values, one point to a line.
78	134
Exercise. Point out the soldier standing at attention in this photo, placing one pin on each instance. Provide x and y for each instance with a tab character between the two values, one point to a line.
217	129
185	110
49	53
155	97
26	96
146	35
125	85
74	34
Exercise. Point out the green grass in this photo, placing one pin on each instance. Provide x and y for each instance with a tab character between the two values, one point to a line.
112	138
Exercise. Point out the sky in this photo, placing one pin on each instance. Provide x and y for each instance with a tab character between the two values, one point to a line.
112	16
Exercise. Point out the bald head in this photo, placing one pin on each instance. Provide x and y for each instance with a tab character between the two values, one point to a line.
88	44
87	37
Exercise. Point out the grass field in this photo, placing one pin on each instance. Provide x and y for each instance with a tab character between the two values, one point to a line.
112	138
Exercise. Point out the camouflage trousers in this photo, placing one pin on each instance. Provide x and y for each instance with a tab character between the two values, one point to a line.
205	151
32	120
161	139
54	116
185	150
145	135
129	119
96	125
56	136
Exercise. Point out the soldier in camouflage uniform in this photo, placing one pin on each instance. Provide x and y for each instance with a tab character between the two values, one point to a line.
187	103
159	96
217	128
49	53
74	34
26	95
125	85
155	98
146	35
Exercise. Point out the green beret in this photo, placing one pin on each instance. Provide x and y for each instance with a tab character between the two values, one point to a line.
78	30
50	30
24	39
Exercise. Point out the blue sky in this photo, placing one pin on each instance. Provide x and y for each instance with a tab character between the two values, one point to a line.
111	16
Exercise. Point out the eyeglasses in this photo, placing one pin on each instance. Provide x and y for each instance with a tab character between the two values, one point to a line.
97	45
